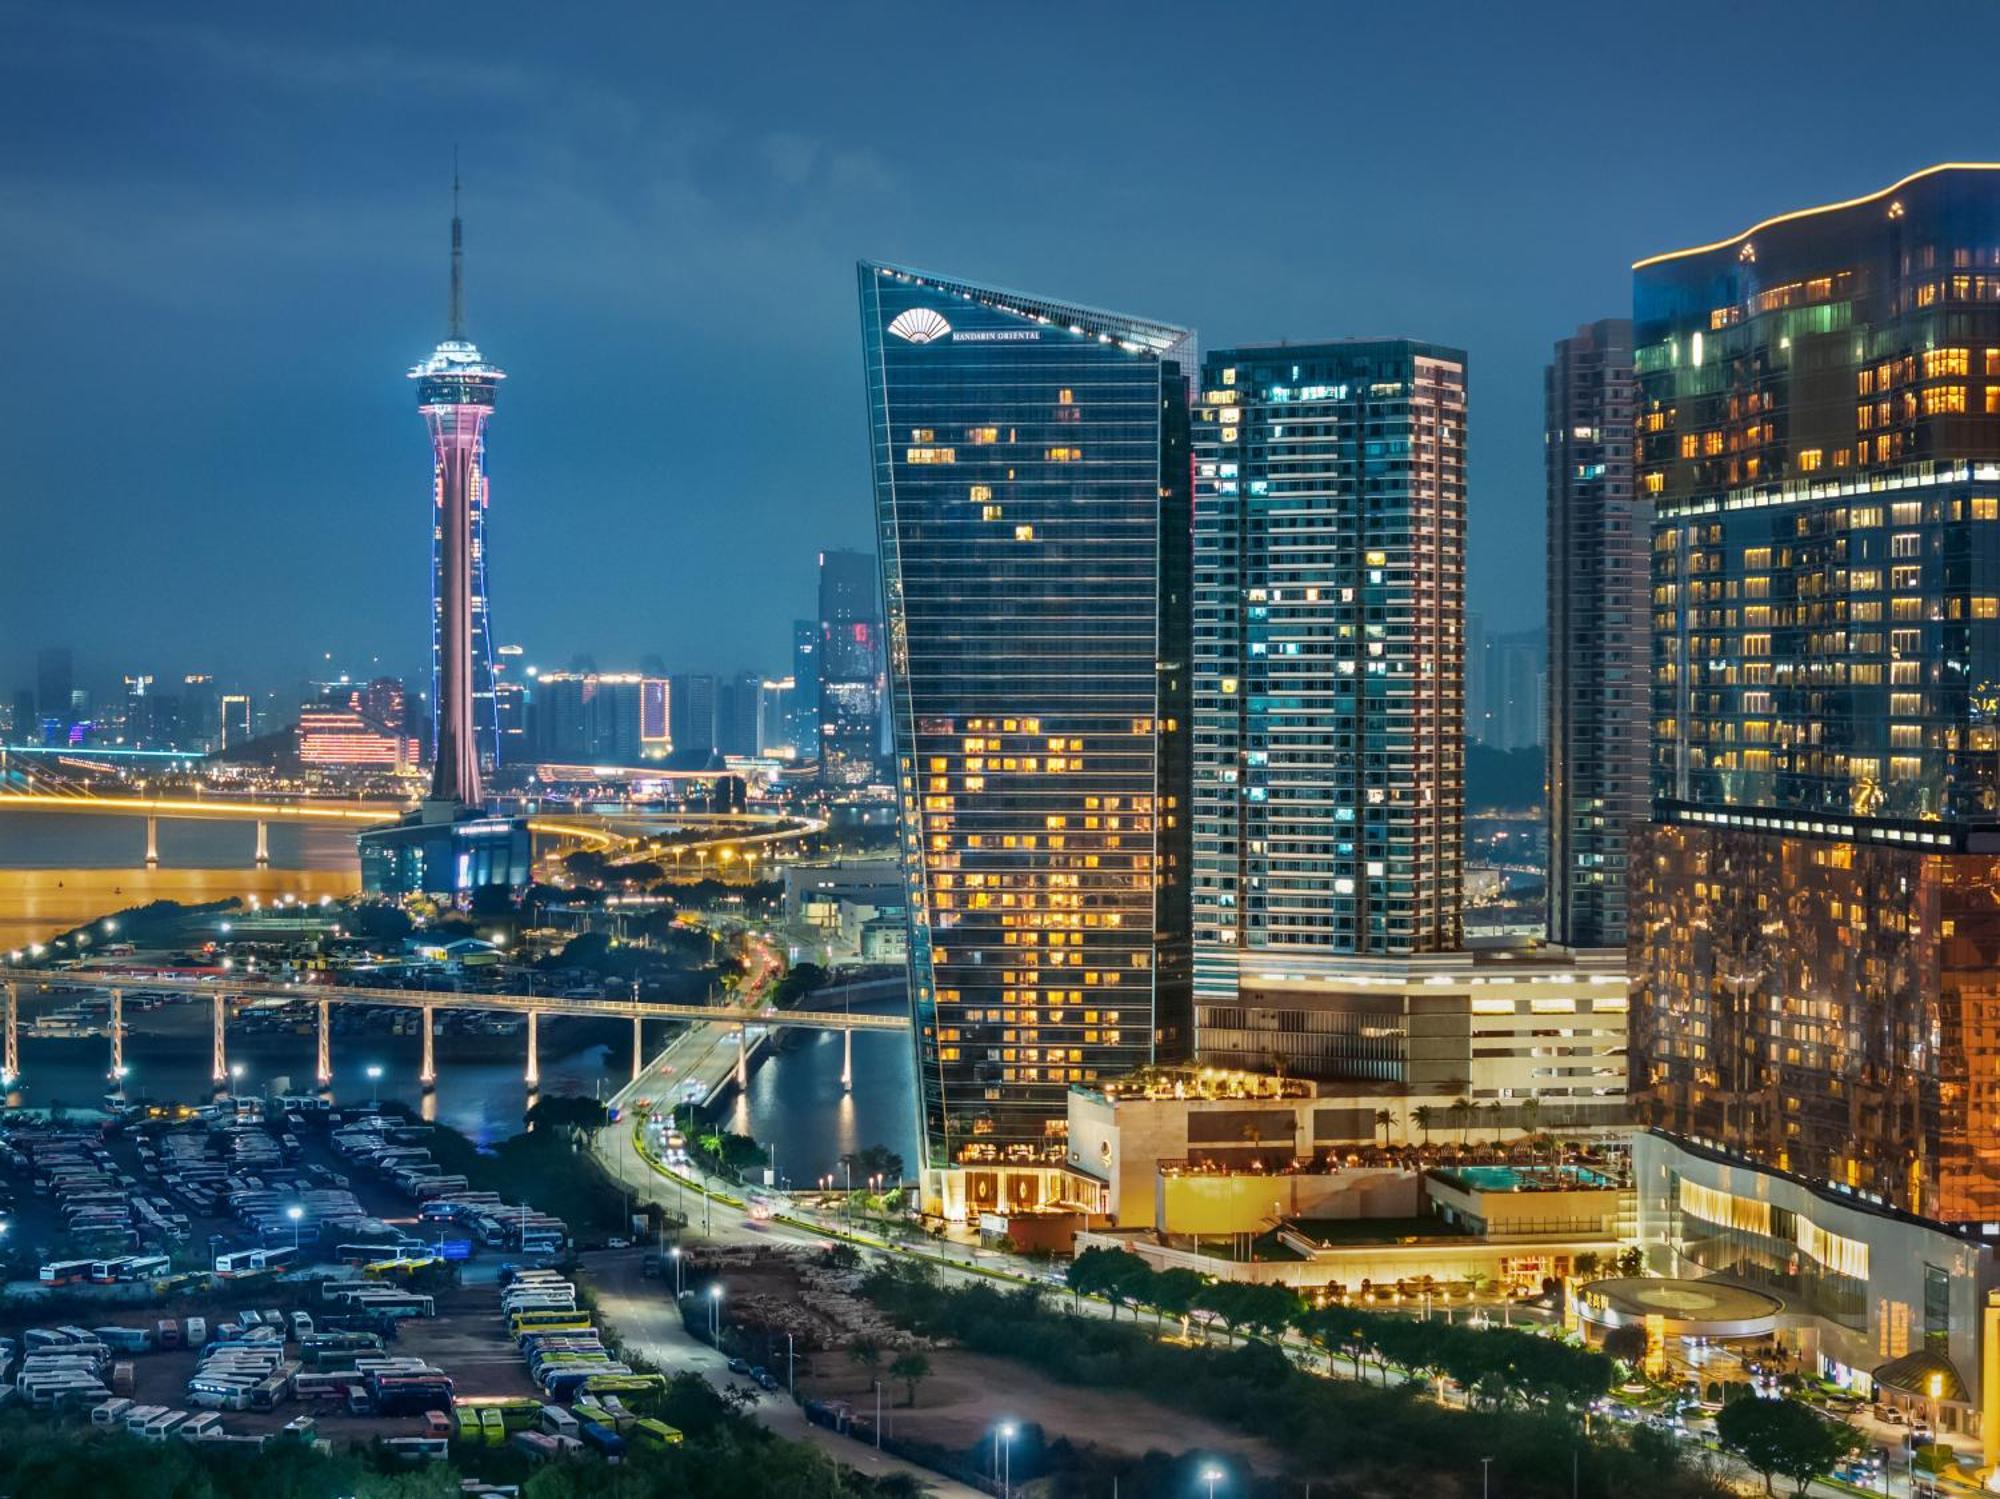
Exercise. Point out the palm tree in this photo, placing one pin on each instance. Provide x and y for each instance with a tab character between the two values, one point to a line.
1461	1107
1383	1119
1422	1116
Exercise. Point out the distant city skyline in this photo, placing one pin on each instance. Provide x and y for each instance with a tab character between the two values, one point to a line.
664	258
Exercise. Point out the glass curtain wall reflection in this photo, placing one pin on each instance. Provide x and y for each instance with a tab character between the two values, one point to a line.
1031	477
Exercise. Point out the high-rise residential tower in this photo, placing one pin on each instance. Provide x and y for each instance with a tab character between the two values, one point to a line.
455	392
1329	760
1600	542
1032	505
850	669
1815	902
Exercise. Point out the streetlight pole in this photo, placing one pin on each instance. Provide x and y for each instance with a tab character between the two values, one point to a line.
1211	1477
1486	1478
1003	1442
715	1314
374	1086
678	1262
295	1212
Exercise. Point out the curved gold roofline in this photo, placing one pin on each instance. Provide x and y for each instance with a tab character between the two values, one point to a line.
1802	213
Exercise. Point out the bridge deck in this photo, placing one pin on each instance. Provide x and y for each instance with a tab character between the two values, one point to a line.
520	1004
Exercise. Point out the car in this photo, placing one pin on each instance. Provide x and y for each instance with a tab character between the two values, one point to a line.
739	1366
1893	1417
617	1243
765	1378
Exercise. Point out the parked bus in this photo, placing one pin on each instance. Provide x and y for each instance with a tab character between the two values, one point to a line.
646	1432
66	1272
200	1428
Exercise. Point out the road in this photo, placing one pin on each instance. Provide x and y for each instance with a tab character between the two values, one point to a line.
650	1323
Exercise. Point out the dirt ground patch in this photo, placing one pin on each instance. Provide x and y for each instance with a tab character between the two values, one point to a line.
967	1392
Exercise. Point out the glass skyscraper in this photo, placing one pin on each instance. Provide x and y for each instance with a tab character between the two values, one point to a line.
1598	699
1815	935
1032	475
1329	662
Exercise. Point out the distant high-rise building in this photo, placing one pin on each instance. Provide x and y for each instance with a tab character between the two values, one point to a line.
1031	477
597	718
510	702
1599	641
55	687
850	669
352	726
1329	602
656	720
201	711
776	718
805	689
235	727
455	391
736	713
1506	687
692	702
1814	933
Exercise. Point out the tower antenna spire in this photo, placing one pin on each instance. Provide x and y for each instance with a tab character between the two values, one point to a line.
457	329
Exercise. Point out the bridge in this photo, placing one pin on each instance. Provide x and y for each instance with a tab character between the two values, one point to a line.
601	830
221	990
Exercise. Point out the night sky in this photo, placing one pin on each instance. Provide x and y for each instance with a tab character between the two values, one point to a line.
223	239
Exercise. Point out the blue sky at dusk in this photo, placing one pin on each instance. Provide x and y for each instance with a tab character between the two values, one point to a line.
223	233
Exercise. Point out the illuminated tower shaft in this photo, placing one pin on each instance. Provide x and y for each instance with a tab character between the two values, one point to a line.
455	392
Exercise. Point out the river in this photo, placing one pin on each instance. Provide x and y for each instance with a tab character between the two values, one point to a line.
58	871
795	1101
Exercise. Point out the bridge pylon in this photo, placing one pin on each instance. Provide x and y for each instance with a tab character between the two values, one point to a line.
219	1041
427	1075
10	1047
534	1075
152	842
323	1071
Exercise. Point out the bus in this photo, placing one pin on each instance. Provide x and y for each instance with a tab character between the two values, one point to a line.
201	1428
327	1384
252	1261
66	1272
544	1319
223	1392
646	1432
128	1268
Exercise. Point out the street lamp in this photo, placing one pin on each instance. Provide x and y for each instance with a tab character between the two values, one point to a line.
715	1313
1211	1477
676	1253
235	1075
295	1213
374	1085
1003	1443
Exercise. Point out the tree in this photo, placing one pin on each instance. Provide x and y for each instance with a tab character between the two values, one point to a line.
1174	1291
1423	1115
1383	1119
1115	1274
1627	1343
1461	1108
1585	1264
1632	1261
866	1352
1785	1436
912	1369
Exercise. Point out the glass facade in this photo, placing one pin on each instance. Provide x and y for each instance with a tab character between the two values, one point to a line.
1032	501
1599	538
1820	432
1329	651
1815	933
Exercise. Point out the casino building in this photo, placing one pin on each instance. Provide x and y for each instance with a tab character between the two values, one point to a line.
1815	903
1032	500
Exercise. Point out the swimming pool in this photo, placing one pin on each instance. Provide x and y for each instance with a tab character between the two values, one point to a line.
1529	1178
